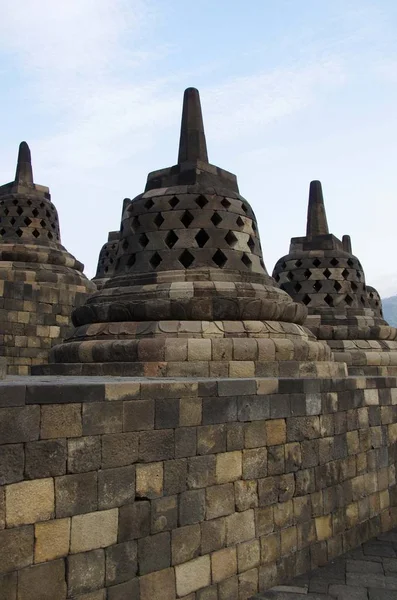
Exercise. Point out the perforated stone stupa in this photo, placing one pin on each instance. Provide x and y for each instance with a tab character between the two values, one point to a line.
107	260
321	272
40	282
190	294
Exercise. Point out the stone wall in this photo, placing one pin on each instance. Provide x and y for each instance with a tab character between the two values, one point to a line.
199	490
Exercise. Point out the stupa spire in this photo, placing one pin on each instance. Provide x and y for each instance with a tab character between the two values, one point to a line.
192	144
24	172
316	215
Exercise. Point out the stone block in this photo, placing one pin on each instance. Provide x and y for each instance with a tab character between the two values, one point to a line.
208	593
156	445
228	467
121	562
248	555
255	434
134	521
248	583
185	543
85	572
264	520
211	439
201	471
275	460
192	507
254	463
138	415
219	500
228	589
276	432
119	449
29	501
46	581
61	420
166	413
246	495
190	412
219	410
8	586
253	408
193	575
121	591
19	424
240	527
213	535
185	442
223	564
16	548
122	391
149	480
175	476
45	458
102	417
289	540
93	530
76	494
234	436
323	527
270	548
84	454
11	463
52	540
158	586
283	514
116	487
164	514
154	552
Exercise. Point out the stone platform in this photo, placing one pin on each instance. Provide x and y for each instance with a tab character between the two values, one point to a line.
195	489
367	573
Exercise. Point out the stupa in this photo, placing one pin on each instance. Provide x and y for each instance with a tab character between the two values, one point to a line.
107	255
190	294
321	272
40	281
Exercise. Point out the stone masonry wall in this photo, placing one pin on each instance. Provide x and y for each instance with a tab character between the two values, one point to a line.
200	490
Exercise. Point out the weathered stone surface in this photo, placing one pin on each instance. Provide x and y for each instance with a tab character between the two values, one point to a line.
52	540
86	572
46	581
16	548
193	575
29	501
75	494
93	530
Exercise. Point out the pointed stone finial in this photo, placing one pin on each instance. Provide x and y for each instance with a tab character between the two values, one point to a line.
316	216
192	144
24	173
347	244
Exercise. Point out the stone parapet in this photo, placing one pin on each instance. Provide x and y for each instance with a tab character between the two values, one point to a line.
188	488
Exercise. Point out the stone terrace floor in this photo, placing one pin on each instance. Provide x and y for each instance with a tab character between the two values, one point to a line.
367	573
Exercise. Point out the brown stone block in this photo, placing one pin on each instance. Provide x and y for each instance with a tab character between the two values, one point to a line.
61	420
193	575
228	589
154	552
138	415
121	562
264	520
201	471
11	463
52	540
248	584
240	527
276	432
248	555
254	463
270	548
84	454
219	500
289	540
175	476
19	424
102	417
192	507
8	586
134	521
158	586
93	530
213	535
275	460
190	412
76	494
116	486
29	501
86	572
211	439
119	449
185	442
46	581
128	589
283	514
185	543
223	564
255	434
16	548
164	514
246	494
149	480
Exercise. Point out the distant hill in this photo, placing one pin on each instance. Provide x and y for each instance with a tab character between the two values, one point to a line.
390	310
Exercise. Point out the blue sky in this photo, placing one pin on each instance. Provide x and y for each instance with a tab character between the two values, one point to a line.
292	90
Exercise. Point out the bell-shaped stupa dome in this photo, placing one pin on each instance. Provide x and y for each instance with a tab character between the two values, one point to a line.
190	294
41	281
321	272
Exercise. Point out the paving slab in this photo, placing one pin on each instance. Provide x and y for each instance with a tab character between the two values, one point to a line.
367	573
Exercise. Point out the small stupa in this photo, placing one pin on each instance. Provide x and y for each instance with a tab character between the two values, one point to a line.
321	272
190	294
40	281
